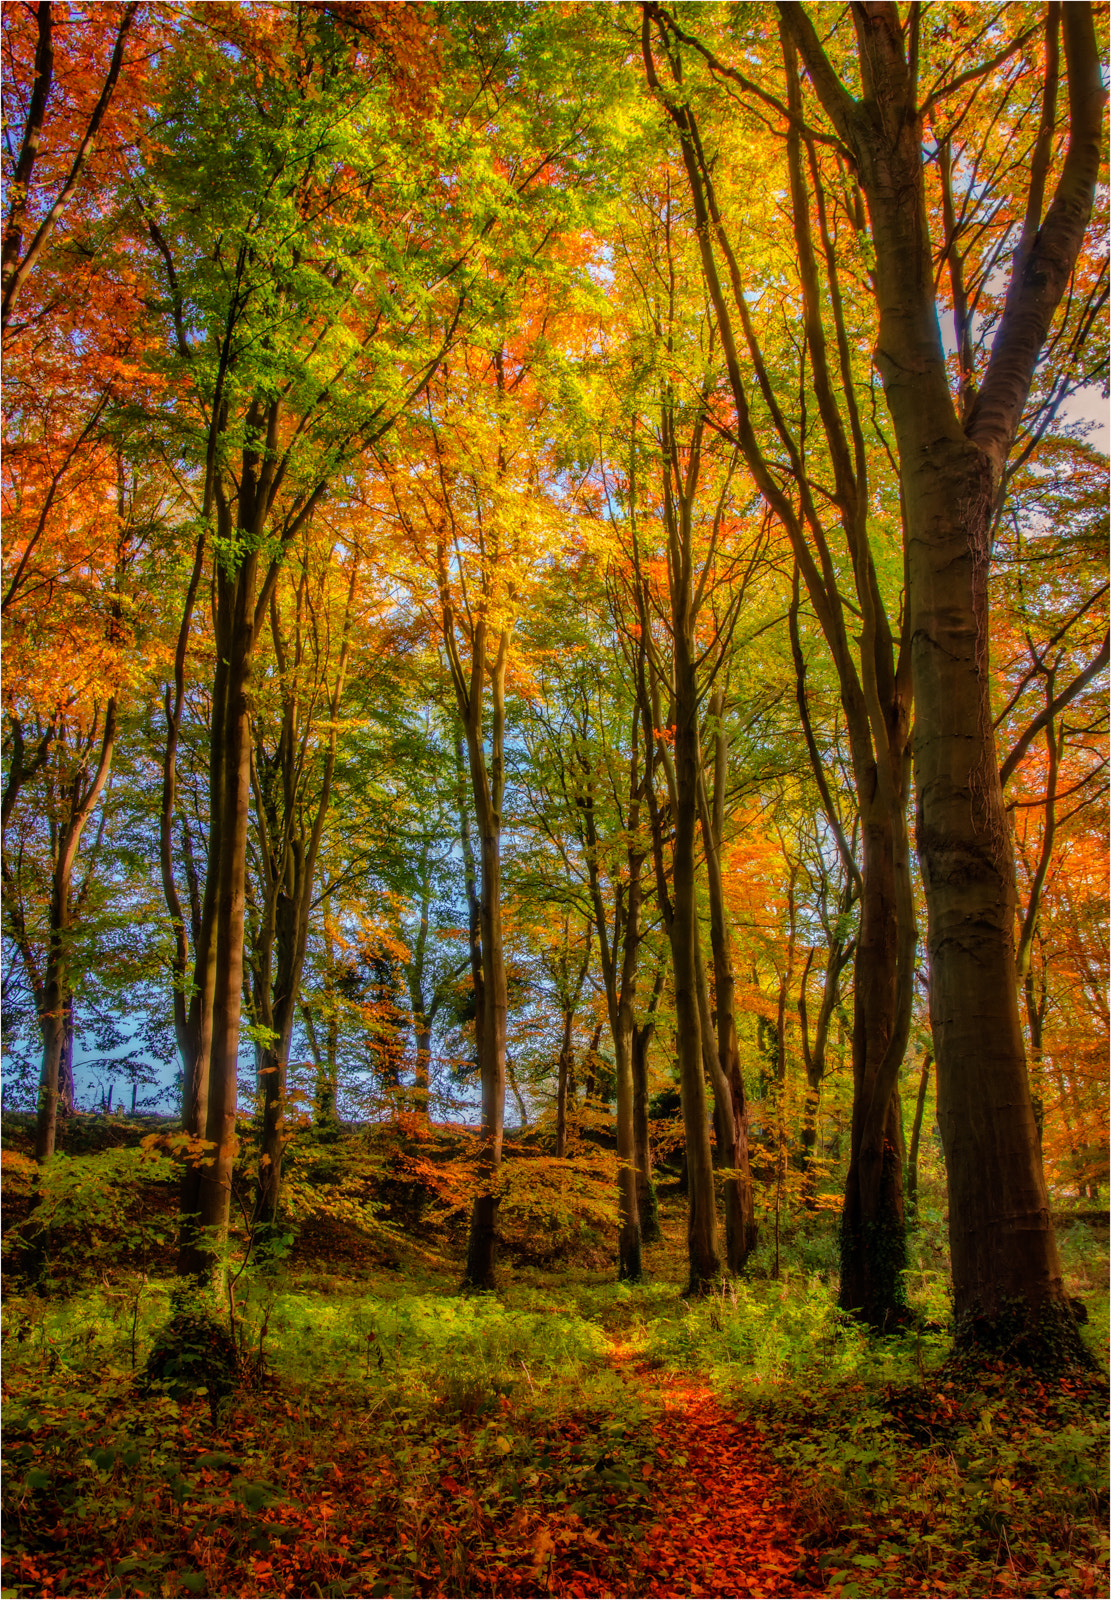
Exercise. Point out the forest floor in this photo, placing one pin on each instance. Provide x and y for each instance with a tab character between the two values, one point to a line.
570	1436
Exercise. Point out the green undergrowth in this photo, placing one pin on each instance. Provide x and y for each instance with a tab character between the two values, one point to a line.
977	1480
446	1437
386	1434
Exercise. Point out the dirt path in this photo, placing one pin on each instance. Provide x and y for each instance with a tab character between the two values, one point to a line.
722	1520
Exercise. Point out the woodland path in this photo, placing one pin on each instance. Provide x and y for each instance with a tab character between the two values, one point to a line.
722	1522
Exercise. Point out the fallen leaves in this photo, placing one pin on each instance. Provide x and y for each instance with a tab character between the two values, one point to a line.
721	1526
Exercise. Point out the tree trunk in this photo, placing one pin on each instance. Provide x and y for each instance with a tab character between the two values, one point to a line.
732	1118
1006	1270
235	634
65	1066
702	1239
628	1240
873	1221
563	1084
196	1037
52	1024
488	951
185	1017
292	934
648	1211
83	796
916	1134
291	891
482	1244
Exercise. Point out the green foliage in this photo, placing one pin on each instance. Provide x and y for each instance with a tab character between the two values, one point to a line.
92	1211
193	1354
989	1476
460	1426
551	1208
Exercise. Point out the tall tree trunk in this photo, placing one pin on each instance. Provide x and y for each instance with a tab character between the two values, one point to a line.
648	1211
916	1135
235	633
65	1066
629	1236
185	1020
1006	1269
702	1239
839	954
564	1082
487	951
618	950
292	940
196	1036
482	1242
873	1221
82	797
740	1204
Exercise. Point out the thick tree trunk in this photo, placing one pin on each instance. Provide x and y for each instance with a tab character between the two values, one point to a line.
564	1084
873	1221
65	1066
482	1244
1006	1271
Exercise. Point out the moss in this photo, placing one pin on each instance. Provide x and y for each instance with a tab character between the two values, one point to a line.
1044	1337
649	1215
192	1353
873	1271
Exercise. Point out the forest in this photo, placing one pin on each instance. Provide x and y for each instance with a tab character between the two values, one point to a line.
555	816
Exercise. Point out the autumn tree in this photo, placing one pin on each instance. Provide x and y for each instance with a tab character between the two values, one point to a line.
80	504
279	368
590	769
833	483
689	552
952	460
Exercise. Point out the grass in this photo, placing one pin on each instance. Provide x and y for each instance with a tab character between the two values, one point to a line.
401	1438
